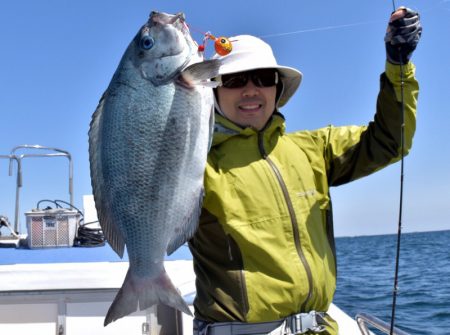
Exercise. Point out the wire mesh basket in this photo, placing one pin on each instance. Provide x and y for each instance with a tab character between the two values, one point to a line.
52	227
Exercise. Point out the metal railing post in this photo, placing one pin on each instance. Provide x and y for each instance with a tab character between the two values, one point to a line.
363	319
18	185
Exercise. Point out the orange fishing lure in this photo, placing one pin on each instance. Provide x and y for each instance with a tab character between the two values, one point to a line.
222	45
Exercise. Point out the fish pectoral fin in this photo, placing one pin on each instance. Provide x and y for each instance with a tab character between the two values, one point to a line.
188	228
200	73
212	119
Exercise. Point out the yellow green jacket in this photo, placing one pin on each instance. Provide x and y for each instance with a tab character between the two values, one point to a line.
265	246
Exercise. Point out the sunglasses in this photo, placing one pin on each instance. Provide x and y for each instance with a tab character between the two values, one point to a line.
260	77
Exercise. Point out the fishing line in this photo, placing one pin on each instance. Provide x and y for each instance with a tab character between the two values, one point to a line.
310	30
399	231
318	29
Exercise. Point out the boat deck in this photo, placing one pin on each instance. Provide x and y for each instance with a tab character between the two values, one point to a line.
69	290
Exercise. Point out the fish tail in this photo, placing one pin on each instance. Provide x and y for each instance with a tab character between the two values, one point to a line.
143	293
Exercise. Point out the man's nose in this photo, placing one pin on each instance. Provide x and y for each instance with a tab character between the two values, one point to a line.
250	89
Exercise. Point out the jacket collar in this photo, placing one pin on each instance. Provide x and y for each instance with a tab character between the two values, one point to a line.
225	129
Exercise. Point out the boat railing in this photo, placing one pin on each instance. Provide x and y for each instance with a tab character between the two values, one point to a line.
364	319
15	230
14	156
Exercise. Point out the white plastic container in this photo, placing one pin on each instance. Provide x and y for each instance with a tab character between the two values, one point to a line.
52	228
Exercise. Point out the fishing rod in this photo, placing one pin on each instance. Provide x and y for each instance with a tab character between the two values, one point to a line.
399	231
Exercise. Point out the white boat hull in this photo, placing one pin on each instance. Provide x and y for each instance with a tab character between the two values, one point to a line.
73	298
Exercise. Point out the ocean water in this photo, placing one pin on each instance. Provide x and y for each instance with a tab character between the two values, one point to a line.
365	282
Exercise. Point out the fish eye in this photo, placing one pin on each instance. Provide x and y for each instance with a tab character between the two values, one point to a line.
146	42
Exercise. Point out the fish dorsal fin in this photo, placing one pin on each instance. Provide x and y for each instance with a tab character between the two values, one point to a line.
110	230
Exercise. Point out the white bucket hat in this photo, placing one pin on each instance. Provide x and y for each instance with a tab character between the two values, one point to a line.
251	53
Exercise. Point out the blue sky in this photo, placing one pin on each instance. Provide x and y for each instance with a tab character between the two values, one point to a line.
58	56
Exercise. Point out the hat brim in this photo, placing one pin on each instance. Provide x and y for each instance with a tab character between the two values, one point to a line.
291	79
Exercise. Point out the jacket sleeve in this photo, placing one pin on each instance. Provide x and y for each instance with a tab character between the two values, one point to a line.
355	151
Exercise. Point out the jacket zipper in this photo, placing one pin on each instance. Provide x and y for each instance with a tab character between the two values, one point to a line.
292	216
244	296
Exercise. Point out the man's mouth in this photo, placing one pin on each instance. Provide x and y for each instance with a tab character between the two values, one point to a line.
250	107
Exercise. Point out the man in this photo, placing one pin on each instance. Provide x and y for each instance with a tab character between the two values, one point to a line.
264	252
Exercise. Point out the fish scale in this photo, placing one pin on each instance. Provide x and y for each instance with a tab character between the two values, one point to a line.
148	143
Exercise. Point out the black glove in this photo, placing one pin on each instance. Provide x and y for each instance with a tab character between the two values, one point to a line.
402	37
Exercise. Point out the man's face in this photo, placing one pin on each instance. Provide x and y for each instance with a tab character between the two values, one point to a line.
248	98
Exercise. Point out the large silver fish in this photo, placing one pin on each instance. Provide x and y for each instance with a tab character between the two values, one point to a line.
148	143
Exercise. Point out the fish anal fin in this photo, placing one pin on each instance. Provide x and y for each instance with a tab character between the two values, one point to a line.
114	237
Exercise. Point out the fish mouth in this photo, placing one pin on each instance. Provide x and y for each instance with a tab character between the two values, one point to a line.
171	54
178	21
166	22
165	19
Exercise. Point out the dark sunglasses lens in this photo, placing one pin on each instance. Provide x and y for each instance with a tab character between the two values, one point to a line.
235	80
264	78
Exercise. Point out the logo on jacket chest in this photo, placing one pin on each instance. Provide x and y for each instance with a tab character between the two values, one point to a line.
307	193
